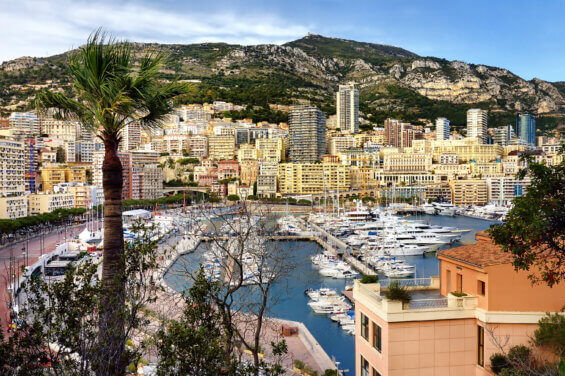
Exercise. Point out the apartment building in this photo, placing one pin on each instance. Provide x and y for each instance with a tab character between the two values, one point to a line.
443	130
438	192
526	128
308	178
12	207
246	151
347	109
228	170
337	144
175	143
249	169
407	162
221	147
131	136
477	124
62	129
13	203
466	149
81	150
360	158
486	169
24	124
400	135
270	149
438	333
150	182
52	176
468	192
503	135
198	146
46	202
267	185
307	134
502	190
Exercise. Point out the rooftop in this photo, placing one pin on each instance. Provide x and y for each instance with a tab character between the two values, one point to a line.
481	254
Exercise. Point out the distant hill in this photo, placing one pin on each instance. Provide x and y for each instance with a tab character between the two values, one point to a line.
392	81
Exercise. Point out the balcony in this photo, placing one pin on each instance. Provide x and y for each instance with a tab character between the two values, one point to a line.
426	303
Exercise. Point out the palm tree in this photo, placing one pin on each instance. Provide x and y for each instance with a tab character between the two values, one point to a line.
110	92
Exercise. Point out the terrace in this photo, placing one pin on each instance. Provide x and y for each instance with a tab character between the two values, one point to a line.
426	301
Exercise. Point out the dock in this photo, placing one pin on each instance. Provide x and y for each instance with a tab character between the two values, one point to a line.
358	265
348	295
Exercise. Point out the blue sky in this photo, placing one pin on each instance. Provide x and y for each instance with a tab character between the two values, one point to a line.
526	37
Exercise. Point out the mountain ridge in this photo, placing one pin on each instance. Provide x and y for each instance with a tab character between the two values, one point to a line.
392	81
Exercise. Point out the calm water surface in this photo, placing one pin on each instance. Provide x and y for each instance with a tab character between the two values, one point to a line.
292	302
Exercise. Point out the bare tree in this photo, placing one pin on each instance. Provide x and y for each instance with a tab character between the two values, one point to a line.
246	264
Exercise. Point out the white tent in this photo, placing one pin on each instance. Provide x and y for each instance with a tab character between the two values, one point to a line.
137	213
85	235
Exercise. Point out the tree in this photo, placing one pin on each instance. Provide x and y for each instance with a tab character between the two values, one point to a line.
60	156
534	230
194	343
249	266
60	320
108	95
233	198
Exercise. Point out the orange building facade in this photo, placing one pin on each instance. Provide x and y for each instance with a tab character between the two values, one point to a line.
438	333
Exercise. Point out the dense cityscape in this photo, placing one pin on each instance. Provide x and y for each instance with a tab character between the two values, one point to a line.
200	213
54	164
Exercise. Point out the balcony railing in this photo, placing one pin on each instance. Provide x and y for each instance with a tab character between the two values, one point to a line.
412	282
428	303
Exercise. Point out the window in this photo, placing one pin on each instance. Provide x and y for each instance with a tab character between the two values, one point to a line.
481	346
377	337
481	287
365	327
459	282
448	280
376	373
364	367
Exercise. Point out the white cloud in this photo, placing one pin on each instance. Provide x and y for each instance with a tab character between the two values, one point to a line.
43	28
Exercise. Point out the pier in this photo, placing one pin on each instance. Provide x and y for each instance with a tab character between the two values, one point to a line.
358	265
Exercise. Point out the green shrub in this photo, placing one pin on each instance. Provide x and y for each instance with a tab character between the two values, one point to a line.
233	198
397	292
498	362
330	372
458	294
370	279
519	354
299	364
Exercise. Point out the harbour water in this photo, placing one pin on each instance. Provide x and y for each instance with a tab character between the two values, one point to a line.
291	302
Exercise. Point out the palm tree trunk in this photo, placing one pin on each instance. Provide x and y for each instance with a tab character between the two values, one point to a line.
112	337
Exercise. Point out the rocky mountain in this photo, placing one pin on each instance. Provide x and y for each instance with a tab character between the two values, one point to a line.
392	81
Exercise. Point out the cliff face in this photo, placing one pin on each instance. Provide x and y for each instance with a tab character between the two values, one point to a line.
317	64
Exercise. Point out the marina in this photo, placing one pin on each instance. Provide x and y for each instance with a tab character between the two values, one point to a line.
292	302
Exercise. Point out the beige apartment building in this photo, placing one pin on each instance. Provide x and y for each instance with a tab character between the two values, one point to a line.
246	151
407	162
175	143
468	192
270	149
248	170
337	144
309	178
62	129
221	147
467	149
44	202
12	207
198	146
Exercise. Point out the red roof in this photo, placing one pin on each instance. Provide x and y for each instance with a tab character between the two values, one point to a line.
481	254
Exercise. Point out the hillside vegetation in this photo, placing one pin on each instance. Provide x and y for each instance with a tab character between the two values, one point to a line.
392	81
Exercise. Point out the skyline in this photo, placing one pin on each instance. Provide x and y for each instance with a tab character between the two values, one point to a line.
455	30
